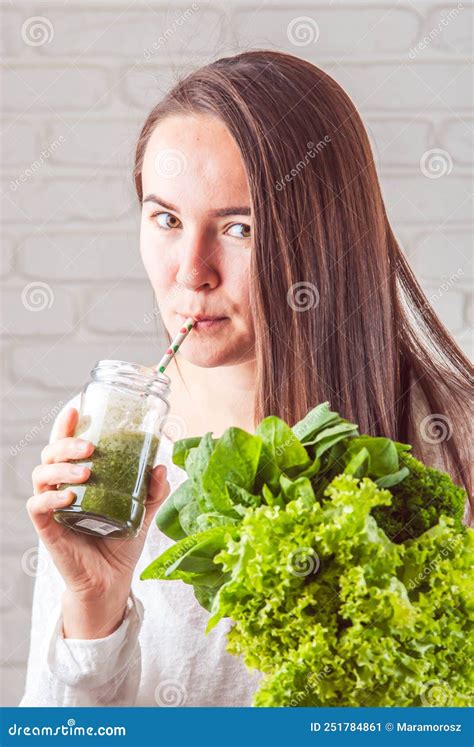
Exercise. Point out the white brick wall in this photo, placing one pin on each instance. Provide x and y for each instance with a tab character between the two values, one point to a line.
73	107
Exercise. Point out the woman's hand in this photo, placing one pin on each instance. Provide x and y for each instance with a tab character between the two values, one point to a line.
97	572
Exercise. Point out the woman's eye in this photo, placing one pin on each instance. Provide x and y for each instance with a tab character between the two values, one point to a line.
240	230
166	220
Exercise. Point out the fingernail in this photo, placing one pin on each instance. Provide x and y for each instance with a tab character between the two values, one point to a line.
78	471
83	447
61	497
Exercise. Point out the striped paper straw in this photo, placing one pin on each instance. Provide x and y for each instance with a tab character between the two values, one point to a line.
175	345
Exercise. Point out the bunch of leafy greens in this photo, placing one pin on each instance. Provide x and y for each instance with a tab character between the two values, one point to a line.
340	558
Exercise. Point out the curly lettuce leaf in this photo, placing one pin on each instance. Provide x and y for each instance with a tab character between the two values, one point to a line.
358	620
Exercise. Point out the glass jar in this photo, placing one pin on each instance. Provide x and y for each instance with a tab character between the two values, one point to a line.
122	411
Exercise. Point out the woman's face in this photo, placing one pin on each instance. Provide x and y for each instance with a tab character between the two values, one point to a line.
196	236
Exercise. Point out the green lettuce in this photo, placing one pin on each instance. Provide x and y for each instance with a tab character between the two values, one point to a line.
340	558
335	614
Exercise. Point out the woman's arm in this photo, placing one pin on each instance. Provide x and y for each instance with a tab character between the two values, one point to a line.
78	672
85	623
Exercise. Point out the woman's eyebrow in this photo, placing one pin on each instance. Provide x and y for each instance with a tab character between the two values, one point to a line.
216	213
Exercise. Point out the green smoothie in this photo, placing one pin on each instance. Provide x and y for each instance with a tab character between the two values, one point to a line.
117	487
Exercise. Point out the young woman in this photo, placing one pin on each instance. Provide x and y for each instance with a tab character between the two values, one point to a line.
261	209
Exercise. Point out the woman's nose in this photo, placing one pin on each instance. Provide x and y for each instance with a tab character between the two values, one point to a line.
197	265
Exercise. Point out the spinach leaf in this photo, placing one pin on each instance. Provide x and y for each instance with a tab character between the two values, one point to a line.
182	448
194	549
383	454
234	459
240	496
316	419
167	516
281	443
341	430
300	488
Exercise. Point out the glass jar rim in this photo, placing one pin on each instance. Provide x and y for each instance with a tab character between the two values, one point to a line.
133	374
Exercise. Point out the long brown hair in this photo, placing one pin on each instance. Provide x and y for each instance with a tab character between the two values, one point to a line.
339	314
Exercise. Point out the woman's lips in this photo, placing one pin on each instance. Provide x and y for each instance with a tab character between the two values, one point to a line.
209	323
201	324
